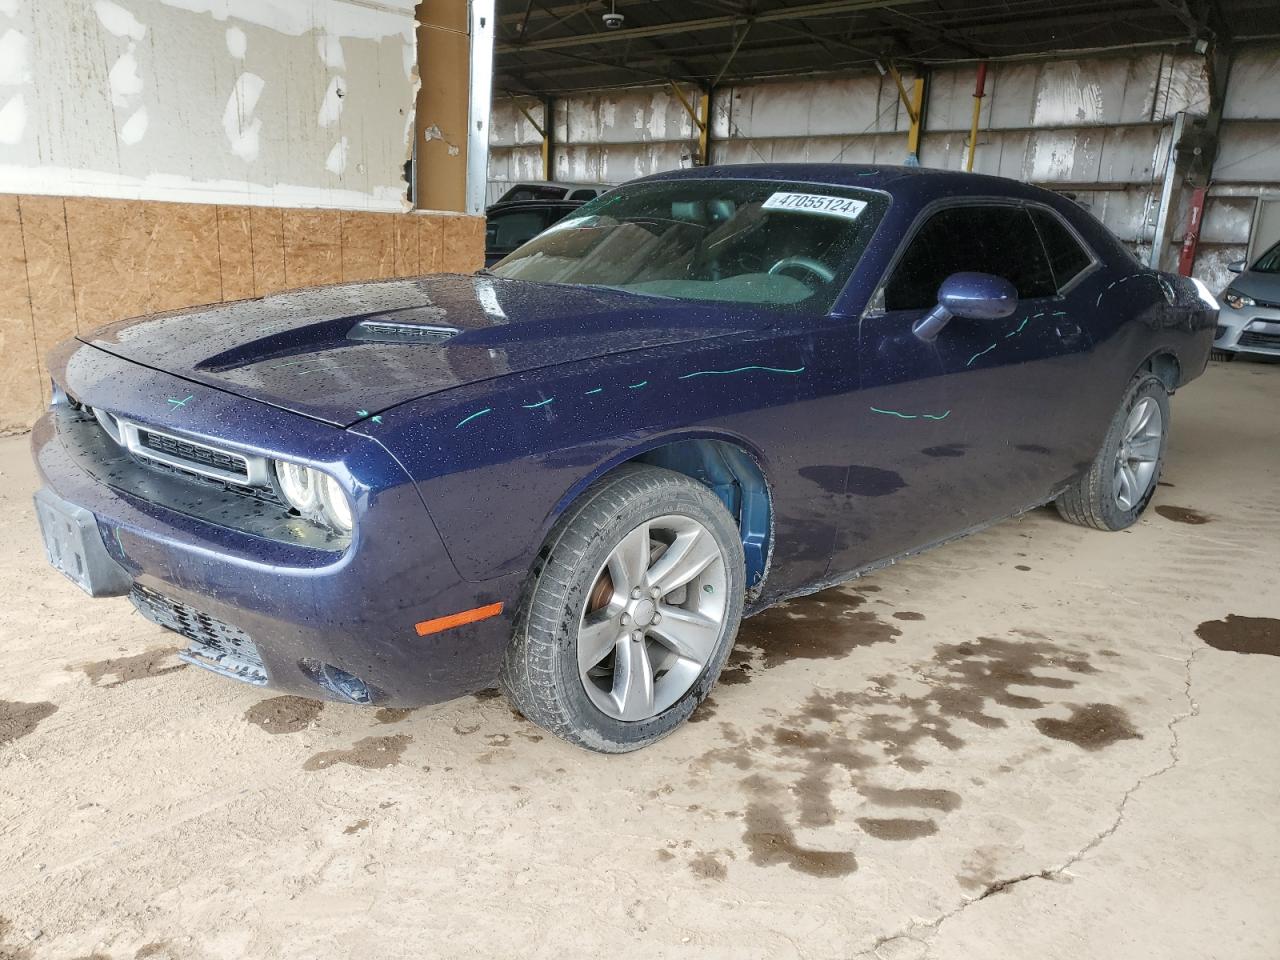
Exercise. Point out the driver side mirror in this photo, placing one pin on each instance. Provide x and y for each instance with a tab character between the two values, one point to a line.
1236	266
971	296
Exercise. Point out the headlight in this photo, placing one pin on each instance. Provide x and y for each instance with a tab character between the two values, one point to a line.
1237	300
314	494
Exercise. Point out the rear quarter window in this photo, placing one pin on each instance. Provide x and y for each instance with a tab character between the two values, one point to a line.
1066	256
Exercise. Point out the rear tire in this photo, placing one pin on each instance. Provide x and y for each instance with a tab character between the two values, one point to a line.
607	653
1115	490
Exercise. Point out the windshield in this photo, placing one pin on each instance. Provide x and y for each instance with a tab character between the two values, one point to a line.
1269	262
788	245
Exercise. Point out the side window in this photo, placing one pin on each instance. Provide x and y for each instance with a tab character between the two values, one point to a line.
508	231
994	239
1066	256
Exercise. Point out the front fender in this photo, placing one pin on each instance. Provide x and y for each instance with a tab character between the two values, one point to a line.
498	463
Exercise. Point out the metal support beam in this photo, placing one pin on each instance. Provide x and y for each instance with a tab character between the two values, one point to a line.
913	103
700	123
543	129
1164	214
979	91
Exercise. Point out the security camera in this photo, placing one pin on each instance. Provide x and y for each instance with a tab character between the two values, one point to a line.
613	20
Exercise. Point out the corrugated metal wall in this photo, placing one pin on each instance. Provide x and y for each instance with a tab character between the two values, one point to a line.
1097	128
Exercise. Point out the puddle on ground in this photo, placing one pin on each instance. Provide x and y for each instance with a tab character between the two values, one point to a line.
1181	514
897	829
1241	634
18	719
356	827
126	669
945	800
284	714
392	714
771	841
822	626
908	615
371	753
1092	726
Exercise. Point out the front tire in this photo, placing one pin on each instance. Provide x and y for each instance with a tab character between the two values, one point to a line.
634	602
1115	490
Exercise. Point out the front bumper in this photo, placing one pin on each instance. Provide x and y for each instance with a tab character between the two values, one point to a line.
309	614
1252	330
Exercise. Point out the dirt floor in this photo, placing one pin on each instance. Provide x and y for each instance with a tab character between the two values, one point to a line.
1037	742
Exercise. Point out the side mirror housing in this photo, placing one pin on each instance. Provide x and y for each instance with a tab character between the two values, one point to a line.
1236	266
971	296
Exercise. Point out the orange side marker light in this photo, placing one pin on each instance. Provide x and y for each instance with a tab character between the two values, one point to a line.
427	627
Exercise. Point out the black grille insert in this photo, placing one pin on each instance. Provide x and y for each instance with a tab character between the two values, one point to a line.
215	645
1251	338
193	453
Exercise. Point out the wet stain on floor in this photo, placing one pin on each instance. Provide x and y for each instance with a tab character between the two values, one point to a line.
1092	726
151	663
284	714
707	867
908	615
1181	514
17	719
897	829
944	800
822	626
392	714
1021	566
371	753
703	711
1237	635
945	450
772	841
356	827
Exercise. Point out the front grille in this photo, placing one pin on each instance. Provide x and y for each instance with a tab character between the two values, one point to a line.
215	645
1251	338
194	454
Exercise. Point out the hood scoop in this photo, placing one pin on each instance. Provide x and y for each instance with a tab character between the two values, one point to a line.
387	331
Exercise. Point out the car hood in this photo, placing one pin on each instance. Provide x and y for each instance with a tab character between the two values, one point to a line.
342	353
1260	286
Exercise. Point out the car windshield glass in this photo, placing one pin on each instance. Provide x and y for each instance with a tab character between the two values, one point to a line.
1269	262
789	245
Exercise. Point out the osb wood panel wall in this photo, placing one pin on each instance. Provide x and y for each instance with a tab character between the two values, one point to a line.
68	265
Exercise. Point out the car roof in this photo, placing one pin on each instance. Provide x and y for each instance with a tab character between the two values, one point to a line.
921	183
533	204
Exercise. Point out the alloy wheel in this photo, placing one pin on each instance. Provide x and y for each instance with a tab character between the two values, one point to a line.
653	617
1139	453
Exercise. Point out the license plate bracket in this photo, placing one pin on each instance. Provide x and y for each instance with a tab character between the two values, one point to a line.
75	548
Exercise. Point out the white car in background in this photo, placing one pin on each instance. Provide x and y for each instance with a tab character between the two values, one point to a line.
1249	321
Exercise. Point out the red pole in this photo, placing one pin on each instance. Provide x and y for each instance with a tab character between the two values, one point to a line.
1187	256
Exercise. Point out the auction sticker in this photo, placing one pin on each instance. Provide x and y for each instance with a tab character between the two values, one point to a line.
816	203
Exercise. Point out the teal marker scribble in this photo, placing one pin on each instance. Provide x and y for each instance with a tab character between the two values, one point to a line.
596	390
535	406
479	413
118	543
1059	313
637	386
911	416
1012	333
180	403
708	373
980	353
362	413
377	419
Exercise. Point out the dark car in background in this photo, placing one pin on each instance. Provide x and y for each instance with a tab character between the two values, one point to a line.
512	225
704	393
551	190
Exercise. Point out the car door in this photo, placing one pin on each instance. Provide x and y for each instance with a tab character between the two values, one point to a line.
976	424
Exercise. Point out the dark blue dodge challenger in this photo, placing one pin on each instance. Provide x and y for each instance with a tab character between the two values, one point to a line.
701	394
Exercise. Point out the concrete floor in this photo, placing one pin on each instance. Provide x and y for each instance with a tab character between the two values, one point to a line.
1030	743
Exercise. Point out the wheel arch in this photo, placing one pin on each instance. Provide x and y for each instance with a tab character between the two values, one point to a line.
733	469
1164	364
